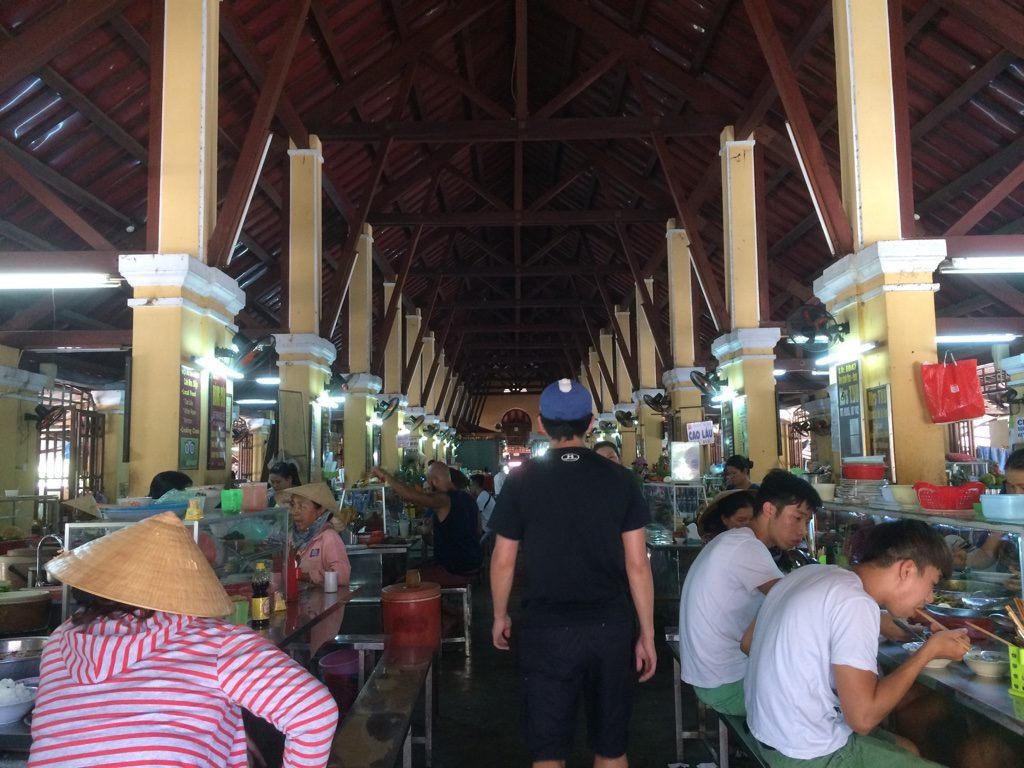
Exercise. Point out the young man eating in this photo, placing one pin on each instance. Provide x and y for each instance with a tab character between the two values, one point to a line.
814	698
726	585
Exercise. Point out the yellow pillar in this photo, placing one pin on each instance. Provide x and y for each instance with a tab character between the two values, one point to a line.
624	390
260	431
188	136
747	353
1014	367
886	293
746	358
19	395
304	363
305	236
412	330
360	304
433	396
426	361
686	405
651	423
390	455
601	395
362	387
182	310
739	222
867	123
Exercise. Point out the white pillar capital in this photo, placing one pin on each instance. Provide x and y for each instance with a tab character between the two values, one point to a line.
747	343
209	290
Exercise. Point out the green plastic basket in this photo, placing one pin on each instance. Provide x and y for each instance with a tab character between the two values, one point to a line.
1017	673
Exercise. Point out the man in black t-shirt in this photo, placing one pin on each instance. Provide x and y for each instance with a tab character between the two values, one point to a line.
455	521
581	521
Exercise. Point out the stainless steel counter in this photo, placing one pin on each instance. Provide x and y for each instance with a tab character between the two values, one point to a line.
986	696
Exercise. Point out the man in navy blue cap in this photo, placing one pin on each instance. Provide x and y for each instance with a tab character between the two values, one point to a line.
588	585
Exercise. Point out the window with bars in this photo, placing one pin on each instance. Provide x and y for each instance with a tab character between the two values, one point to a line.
70	443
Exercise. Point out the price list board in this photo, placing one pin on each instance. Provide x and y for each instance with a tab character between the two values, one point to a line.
879	425
851	437
726	427
188	419
217	448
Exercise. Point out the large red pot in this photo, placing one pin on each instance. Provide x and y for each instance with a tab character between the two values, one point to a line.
412	615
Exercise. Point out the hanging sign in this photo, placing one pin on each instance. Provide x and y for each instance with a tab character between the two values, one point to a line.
188	419
217	448
702	432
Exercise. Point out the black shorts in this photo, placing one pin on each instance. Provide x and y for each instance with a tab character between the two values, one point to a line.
558	663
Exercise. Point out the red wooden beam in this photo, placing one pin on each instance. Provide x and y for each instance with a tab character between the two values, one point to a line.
517	218
49	199
984	206
54	33
470	91
995	18
59	261
250	161
581	83
823	185
901	112
67	339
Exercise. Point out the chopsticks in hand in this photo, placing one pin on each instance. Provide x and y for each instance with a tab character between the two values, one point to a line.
993	635
937	627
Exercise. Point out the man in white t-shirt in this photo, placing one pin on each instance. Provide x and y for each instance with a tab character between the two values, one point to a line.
813	692
726	585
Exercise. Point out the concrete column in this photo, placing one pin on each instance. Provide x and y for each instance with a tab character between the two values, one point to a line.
305	237
412	330
390	455
182	310
646	353
426	361
260	431
19	395
360	304
867	123
623	380
1014	367
435	388
886	293
680	286
359	402
686	405
188	137
746	358
739	214
304	363
601	395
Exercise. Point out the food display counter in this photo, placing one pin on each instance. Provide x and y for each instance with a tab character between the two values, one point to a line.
674	505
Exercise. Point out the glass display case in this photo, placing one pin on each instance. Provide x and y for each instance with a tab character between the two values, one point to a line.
32	514
674	505
373	502
232	542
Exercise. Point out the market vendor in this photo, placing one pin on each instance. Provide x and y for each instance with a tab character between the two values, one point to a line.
1014	482
149	673
315	543
812	690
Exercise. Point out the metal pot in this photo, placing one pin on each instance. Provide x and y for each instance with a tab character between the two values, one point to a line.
19	657
26	610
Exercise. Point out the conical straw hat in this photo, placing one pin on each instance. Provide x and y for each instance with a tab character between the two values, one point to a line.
318	493
152	564
84	503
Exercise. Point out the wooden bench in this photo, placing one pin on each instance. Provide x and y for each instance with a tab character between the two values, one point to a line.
378	727
738	727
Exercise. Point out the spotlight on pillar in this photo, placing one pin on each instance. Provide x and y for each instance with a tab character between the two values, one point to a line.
216	367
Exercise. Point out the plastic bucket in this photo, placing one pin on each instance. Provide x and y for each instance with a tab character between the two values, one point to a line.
340	672
412	615
231	501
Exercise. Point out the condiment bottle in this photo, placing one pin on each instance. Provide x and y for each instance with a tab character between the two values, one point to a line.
259	604
195	510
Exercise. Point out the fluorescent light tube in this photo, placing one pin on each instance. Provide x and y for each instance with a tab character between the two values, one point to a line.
977	338
847	355
255	401
268	380
216	367
975	265
44	281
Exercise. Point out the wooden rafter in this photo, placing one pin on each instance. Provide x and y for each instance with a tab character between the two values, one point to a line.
822	185
517	218
602	363
250	161
984	206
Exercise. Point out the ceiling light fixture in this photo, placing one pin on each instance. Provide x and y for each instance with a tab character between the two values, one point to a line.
981	265
977	338
45	281
216	367
847	355
256	401
270	381
779	372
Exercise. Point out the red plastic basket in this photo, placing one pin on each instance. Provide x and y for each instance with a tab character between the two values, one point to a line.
949	497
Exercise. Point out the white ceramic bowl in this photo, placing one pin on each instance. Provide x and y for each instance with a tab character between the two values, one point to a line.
1003	508
904	495
934	663
987	663
12	713
827	491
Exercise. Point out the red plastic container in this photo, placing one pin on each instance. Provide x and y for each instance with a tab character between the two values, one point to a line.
412	615
949	497
864	471
340	673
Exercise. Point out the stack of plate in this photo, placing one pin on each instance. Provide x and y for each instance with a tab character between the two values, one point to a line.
861	491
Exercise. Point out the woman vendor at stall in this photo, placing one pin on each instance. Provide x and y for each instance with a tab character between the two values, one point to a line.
317	545
149	673
282	476
737	473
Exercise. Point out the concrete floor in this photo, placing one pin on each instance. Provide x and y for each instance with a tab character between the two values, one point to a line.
479	721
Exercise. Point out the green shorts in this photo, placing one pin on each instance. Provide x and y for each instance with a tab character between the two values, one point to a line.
876	750
727	699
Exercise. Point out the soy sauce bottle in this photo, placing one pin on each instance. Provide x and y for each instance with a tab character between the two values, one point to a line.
259	604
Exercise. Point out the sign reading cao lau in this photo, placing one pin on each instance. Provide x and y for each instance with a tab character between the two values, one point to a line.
702	432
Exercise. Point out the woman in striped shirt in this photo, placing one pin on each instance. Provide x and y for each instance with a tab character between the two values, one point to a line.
148	674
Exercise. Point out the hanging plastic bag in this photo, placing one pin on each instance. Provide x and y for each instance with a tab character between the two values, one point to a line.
952	390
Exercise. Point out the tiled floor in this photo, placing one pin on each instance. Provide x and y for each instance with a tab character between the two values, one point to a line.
479	721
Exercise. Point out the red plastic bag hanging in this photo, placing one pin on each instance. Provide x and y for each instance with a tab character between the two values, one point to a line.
952	390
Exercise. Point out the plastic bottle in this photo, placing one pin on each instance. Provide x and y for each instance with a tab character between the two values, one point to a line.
195	510
259	604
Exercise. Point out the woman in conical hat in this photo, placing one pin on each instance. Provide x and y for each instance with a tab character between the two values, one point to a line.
315	543
149	672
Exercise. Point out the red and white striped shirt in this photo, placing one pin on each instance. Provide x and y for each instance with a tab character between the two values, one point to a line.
168	692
